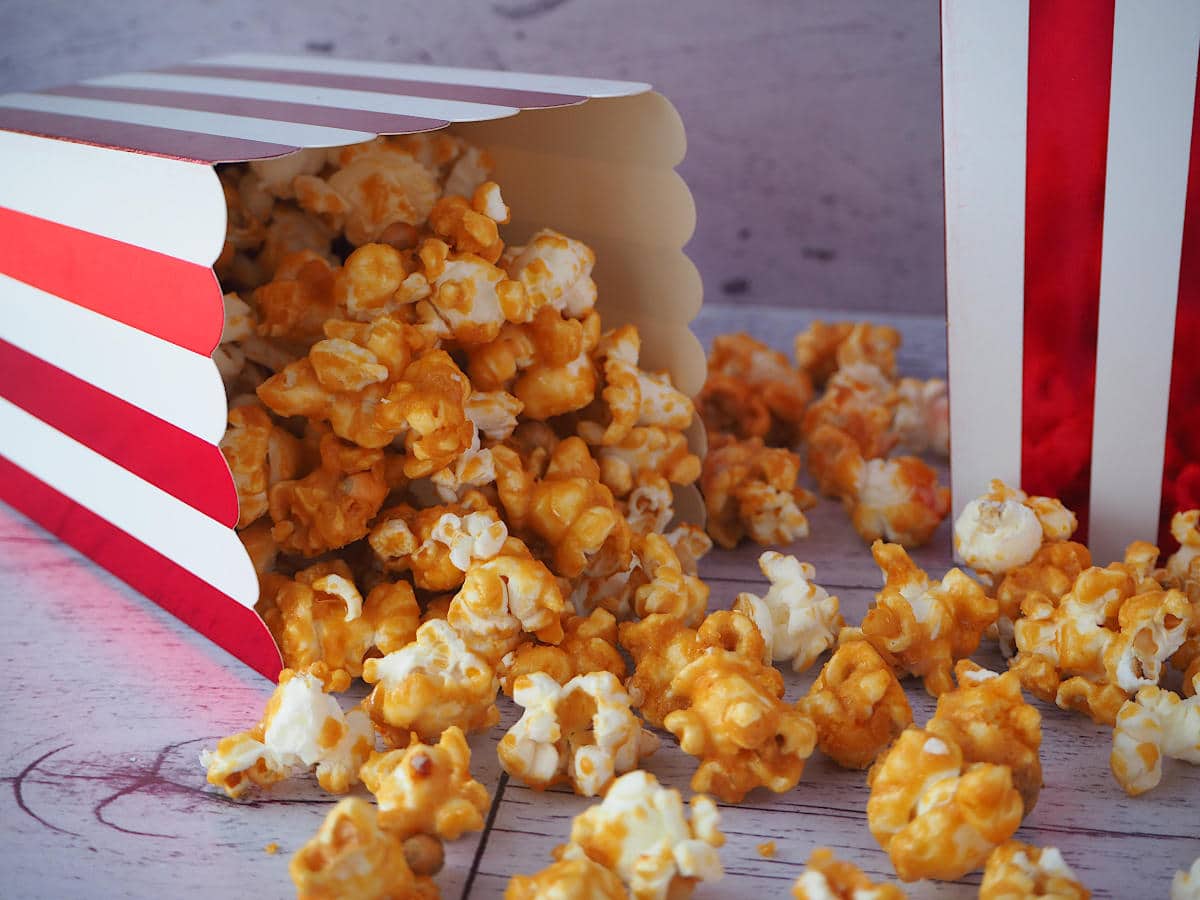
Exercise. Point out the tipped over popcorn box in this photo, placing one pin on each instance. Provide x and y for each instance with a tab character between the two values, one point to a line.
365	277
1072	163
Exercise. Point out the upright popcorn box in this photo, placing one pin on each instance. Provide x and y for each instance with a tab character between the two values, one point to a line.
111	218
1072	164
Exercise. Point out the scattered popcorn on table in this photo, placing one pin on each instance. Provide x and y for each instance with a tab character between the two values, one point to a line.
453	478
753	391
662	646
857	705
569	879
302	729
822	349
991	723
920	626
582	732
639	832
429	685
750	490
426	789
935	816
1017	871
899	499
734	720
922	419
1157	723
859	401
1100	643
352	856
1045	579
826	878
797	618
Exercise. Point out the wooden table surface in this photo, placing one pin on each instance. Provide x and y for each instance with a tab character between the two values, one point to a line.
108	701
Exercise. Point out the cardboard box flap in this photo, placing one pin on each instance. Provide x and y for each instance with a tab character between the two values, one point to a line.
243	107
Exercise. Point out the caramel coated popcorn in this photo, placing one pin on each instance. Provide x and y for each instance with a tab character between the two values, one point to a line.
429	685
733	718
823	348
352	856
753	391
319	617
425	789
750	490
577	878
640	833
859	400
1016	870
589	644
1101	642
899	499
303	729
826	878
1157	723
989	720
797	618
923	626
1044	580
922	793
662	646
857	705
501	599
922	417
582	732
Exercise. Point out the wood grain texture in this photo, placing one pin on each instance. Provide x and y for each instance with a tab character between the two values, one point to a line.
814	128
109	700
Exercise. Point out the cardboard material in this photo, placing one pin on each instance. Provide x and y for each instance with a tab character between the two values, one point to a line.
111	409
1072	163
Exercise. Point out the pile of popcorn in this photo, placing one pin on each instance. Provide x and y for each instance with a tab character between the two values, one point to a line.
455	483
759	409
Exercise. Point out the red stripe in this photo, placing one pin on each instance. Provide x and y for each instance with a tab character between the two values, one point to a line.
301	113
215	615
431	90
191	146
1070	71
168	457
1181	465
169	298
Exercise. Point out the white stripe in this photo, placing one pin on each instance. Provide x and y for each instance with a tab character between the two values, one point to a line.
241	127
520	81
190	539
128	197
177	385
373	101
985	55
1149	138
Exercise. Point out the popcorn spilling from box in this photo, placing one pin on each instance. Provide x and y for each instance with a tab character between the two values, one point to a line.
454	481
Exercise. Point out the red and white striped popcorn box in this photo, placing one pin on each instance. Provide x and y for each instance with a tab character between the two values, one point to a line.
112	215
1072	163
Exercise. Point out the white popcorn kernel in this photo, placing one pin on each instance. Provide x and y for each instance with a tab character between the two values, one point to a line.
993	537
